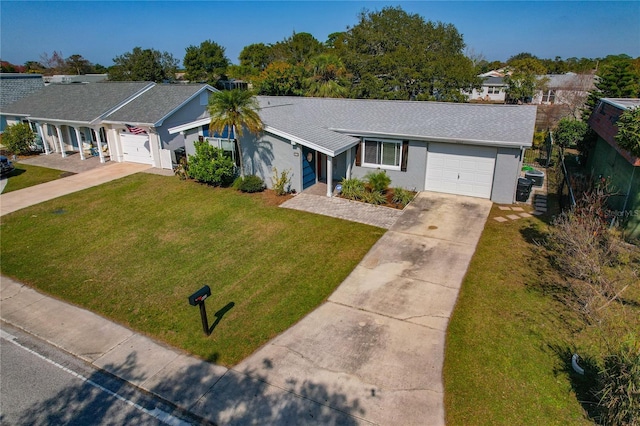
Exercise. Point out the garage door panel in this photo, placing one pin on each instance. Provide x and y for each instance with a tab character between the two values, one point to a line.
460	169
136	148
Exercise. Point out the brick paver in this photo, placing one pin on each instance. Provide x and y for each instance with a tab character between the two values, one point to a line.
355	211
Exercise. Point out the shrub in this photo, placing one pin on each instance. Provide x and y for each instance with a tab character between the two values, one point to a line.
378	181
281	182
18	138
182	169
250	183
619	384
402	196
209	165
352	189
374	197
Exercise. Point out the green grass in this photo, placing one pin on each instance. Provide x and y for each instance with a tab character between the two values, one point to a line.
133	250
24	176
509	344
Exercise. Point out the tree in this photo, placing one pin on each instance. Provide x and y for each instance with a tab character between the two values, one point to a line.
255	56
54	64
143	65
76	64
395	55
205	63
281	79
234	110
328	79
297	49
18	138
522	77
569	132
618	78
628	136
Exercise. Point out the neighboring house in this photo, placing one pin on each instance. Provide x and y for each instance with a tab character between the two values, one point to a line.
122	121
620	169
467	149
493	89
15	86
68	79
566	89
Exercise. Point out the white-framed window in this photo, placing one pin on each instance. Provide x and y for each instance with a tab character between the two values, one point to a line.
385	154
493	90
549	96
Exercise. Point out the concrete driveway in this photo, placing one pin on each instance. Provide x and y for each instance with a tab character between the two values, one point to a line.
377	345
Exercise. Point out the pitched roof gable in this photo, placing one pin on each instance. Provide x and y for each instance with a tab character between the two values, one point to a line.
77	102
331	123
156	104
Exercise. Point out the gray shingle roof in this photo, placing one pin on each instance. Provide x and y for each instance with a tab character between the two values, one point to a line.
155	104
14	86
328	122
76	102
623	103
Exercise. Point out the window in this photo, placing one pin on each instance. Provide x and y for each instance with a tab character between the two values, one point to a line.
493	90
384	154
549	96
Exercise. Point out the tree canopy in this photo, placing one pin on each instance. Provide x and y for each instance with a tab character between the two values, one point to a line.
396	55
143	65
522	77
617	78
205	63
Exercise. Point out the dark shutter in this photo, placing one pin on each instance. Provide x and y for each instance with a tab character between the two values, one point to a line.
359	154
405	155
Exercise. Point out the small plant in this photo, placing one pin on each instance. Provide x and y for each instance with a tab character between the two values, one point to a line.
250	183
401	196
352	189
18	138
281	182
374	197
379	181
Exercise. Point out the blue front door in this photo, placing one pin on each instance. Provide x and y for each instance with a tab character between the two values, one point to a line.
308	168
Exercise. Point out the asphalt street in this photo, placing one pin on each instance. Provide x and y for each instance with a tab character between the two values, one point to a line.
41	385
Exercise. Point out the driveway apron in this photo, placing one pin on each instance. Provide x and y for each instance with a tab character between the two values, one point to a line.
26	197
376	347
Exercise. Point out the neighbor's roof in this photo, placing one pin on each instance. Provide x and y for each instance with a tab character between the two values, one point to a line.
623	103
493	81
156	104
570	80
333	124
84	102
15	86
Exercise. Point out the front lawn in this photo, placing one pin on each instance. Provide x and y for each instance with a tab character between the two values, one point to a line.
134	249
25	175
512	335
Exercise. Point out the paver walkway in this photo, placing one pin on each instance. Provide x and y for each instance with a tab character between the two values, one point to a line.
355	211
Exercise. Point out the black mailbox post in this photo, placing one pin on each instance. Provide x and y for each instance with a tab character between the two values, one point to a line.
198	298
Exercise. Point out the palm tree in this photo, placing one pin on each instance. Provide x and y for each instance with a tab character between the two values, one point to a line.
328	77
234	110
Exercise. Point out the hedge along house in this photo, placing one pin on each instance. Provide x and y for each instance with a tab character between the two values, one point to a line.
119	121
620	169
466	149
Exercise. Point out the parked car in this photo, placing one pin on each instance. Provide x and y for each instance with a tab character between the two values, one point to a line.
7	165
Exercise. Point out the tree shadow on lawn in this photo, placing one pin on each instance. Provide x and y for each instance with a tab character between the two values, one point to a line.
582	385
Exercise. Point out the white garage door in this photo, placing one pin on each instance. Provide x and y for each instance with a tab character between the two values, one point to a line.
460	169
136	149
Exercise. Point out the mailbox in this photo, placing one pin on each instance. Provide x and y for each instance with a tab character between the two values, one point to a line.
200	295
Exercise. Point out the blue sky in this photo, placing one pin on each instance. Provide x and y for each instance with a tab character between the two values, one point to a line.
495	29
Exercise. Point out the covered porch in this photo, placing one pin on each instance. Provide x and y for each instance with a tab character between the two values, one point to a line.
62	138
322	171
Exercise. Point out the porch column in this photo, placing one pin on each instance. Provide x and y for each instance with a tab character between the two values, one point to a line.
349	163
79	139
45	144
329	176
99	143
60	141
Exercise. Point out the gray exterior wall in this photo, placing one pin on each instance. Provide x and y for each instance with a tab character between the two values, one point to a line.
505	175
413	178
192	111
261	154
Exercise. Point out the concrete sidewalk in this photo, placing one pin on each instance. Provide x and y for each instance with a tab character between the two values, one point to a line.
26	197
372	354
